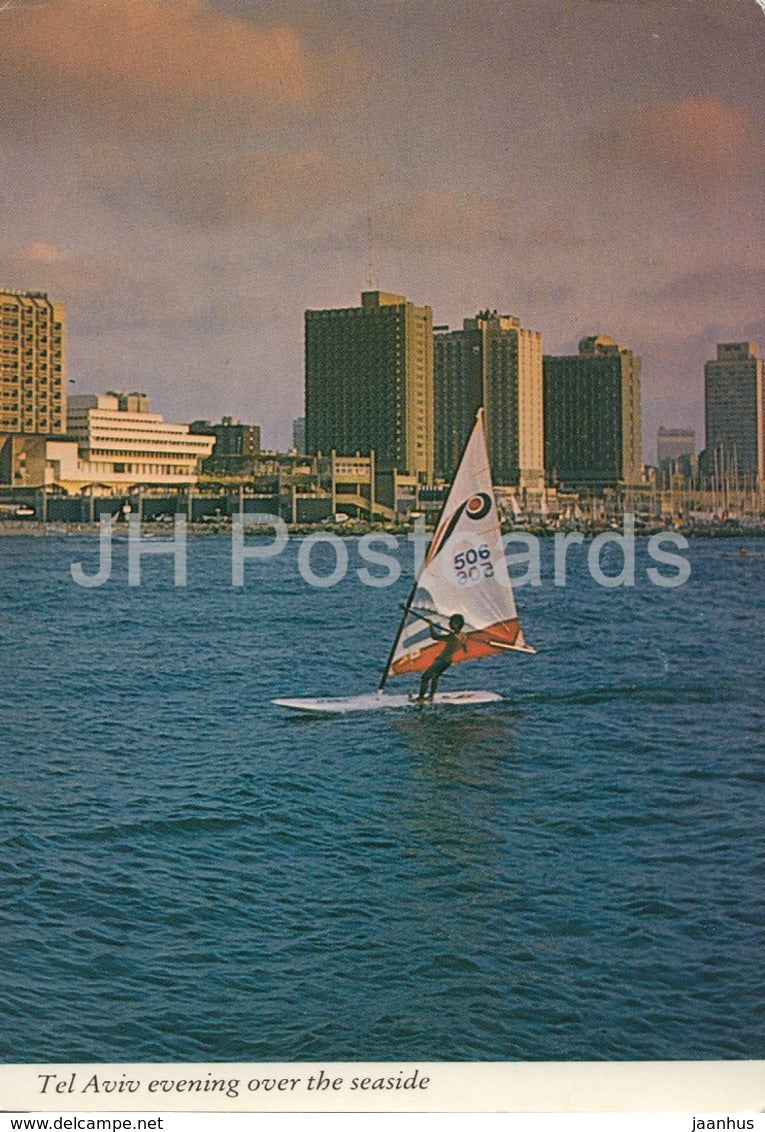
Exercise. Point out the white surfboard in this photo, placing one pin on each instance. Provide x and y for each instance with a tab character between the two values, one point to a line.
380	701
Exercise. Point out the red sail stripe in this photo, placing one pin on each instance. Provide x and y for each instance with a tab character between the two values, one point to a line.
436	543
479	643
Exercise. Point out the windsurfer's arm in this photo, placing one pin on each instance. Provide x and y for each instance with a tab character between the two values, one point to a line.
436	632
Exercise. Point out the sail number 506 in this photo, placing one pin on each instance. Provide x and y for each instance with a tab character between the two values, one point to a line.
473	564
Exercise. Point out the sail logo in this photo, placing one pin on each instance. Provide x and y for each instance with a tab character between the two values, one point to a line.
476	507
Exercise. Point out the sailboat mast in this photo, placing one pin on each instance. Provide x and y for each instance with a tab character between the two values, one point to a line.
402	622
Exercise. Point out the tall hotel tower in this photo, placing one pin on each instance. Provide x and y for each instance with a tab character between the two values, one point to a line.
369	382
494	363
592	416
735	412
32	363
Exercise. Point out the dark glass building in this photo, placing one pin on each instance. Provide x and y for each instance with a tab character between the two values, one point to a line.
592	416
735	414
369	382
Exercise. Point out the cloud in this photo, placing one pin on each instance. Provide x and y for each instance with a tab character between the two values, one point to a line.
678	140
445	219
713	286
110	291
39	266
148	66
188	177
732	292
539	292
449	220
40	253
266	186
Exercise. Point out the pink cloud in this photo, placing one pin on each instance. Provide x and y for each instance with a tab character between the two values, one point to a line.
445	219
678	139
40	266
39	252
147	64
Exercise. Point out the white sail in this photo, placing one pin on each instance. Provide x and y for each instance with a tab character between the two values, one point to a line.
464	572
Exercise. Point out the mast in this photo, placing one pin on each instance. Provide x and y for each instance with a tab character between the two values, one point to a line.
402	622
413	591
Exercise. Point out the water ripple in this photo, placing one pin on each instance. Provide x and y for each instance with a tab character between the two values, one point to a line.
573	873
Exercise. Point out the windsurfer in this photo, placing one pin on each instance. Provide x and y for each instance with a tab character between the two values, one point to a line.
453	639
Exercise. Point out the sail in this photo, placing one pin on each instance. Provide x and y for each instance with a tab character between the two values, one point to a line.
464	572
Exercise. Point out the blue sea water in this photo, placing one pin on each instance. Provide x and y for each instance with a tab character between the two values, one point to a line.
189	873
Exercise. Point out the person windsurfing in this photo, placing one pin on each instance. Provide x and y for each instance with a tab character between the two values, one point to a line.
453	639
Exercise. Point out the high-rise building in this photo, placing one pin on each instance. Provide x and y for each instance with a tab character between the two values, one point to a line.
237	445
592	415
369	382
492	362
298	434
673	443
735	412
676	454
32	363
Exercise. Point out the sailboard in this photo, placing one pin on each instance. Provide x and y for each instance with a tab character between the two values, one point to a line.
380	701
464	572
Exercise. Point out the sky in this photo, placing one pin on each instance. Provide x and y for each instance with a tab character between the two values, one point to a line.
188	176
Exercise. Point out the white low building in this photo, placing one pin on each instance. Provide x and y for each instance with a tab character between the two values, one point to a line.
121	443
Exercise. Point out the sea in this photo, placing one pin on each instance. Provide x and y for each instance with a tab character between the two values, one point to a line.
190	873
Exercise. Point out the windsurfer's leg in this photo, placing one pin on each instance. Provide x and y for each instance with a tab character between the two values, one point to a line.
428	675
437	670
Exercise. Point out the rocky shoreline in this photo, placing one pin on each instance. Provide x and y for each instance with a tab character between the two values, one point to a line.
725	530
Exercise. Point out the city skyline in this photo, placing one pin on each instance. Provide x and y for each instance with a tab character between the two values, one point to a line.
405	363
188	178
381	379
